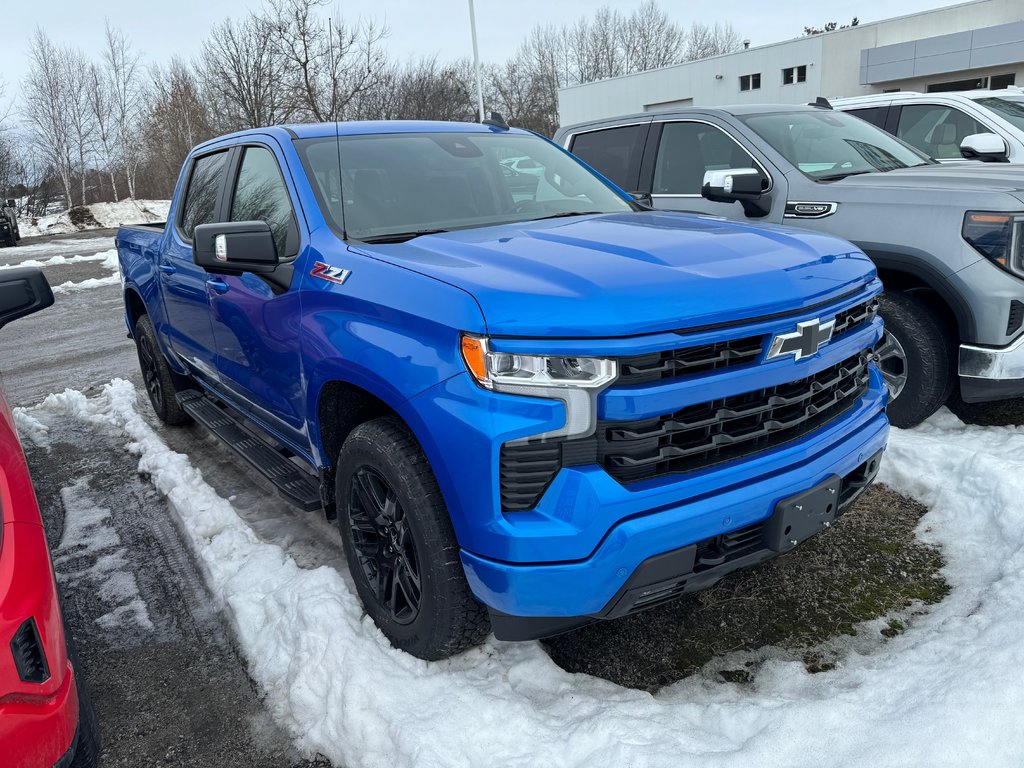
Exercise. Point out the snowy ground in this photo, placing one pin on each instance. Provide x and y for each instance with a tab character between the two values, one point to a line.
946	692
106	215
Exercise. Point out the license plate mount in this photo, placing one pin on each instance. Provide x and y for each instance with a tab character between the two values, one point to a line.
801	516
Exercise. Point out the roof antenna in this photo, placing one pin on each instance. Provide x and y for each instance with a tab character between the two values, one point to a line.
496	121
821	103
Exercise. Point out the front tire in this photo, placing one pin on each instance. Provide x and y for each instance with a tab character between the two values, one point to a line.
915	357
400	544
157	376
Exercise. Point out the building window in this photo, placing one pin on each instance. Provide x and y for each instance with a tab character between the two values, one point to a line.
792	75
974	84
750	82
998	82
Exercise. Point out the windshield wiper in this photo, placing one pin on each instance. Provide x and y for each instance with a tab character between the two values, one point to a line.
400	237
838	176
563	214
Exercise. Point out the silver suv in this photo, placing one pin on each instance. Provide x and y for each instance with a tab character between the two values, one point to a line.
948	240
978	125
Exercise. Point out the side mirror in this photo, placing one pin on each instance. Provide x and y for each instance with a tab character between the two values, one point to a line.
986	147
23	291
643	199
231	248
732	184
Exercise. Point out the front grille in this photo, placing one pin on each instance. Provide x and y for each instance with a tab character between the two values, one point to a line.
706	434
688	361
699	436
851	318
655	366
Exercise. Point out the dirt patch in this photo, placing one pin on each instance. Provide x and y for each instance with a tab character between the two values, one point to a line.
867	565
82	218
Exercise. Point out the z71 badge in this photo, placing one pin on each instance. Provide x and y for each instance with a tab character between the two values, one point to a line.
329	273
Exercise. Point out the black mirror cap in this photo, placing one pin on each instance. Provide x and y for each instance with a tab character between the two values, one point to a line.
23	291
234	247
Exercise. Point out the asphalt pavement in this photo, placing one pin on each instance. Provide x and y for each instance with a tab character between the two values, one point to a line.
169	685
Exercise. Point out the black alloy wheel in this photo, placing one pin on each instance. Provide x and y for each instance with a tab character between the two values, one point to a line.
384	545
150	372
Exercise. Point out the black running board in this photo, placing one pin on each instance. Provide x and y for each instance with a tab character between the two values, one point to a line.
298	487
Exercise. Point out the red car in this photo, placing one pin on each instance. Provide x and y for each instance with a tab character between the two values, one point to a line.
46	718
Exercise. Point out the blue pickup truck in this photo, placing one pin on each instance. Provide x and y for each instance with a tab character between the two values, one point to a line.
528	407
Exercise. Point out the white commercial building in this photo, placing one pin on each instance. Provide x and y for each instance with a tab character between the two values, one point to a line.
972	45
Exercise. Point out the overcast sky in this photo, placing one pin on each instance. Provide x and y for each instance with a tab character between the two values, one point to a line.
418	27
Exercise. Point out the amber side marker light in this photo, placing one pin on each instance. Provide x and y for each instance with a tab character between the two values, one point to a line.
473	353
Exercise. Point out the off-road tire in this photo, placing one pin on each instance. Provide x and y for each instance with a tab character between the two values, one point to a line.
449	619
929	346
161	383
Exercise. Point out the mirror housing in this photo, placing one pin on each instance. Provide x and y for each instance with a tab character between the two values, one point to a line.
23	291
986	147
643	199
235	247
732	184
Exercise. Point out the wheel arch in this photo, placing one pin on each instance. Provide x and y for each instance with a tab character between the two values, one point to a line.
907	269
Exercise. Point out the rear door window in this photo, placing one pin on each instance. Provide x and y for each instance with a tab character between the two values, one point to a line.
614	152
260	194
687	151
202	193
936	129
874	115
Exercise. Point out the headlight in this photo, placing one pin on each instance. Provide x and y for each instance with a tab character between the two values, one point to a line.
576	381
997	236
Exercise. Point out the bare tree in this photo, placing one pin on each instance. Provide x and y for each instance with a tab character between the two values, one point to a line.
177	120
44	91
100	98
831	26
329	63
244	74
650	39
703	41
126	97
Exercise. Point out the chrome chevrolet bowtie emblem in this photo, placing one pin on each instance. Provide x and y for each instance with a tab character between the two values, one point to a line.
805	341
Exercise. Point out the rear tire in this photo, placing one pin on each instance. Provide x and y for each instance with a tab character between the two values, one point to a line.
924	349
400	544
160	381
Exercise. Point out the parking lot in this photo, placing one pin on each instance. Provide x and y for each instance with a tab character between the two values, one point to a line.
189	666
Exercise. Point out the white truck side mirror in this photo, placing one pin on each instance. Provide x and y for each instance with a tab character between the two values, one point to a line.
986	147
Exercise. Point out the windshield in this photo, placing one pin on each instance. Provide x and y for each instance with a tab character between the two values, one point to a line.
1011	110
829	145
397	186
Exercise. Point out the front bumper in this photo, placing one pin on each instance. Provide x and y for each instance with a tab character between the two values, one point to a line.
991	373
734	498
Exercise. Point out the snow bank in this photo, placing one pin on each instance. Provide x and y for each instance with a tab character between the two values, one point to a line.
106	215
947	692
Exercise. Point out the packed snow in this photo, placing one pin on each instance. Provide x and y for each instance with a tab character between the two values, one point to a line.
108	257
106	215
88	534
946	692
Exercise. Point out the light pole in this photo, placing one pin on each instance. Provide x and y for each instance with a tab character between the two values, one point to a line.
476	62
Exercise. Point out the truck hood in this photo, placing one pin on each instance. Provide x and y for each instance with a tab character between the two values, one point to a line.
632	273
965	176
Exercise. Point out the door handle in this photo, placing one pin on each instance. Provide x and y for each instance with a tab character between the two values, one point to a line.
218	285
168	269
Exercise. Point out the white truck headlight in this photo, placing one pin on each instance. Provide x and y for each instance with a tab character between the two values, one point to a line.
576	381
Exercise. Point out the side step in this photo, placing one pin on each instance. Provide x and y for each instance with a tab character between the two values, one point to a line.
296	486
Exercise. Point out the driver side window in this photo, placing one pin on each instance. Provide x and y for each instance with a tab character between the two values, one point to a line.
260	194
687	150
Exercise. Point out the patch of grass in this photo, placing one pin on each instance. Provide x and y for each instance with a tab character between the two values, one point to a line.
867	565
